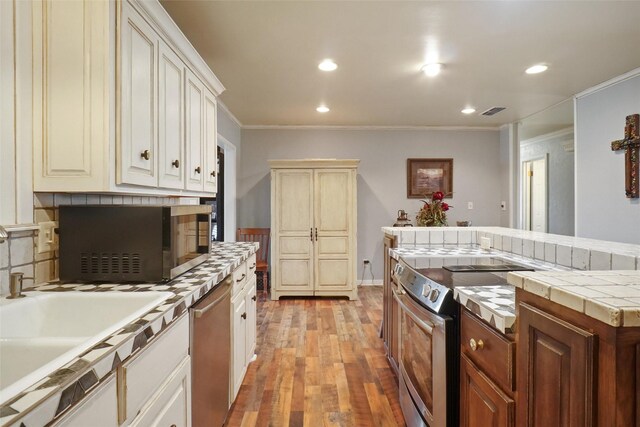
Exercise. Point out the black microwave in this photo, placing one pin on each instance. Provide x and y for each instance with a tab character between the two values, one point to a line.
132	243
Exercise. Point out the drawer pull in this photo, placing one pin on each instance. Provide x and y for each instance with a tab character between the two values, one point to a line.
145	154
254	298
242	278
253	266
176	163
198	170
476	345
244	315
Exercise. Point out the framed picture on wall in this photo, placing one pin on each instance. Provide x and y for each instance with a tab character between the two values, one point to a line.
426	176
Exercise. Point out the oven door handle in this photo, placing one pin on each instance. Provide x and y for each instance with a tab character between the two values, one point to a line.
427	326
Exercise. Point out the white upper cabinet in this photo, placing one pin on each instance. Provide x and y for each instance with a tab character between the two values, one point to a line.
139	101
122	101
195	132
170	118
70	95
210	142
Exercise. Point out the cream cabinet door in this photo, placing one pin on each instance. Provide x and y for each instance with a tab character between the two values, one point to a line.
293	210
239	338
170	118
138	91
210	142
70	105
99	409
251	302
332	229
194	91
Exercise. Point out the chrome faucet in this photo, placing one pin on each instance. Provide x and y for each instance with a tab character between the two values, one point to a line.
15	285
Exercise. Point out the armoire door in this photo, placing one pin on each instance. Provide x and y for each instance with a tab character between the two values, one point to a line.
332	228
293	211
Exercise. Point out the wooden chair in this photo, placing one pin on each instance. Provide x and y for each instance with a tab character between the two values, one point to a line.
260	235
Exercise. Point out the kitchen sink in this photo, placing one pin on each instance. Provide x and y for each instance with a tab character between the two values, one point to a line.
45	330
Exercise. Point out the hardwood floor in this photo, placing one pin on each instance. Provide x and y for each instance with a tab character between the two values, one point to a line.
320	363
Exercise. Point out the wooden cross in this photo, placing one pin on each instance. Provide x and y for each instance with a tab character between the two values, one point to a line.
631	145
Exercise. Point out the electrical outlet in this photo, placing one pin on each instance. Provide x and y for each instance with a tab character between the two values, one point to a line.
470	205
503	206
365	261
47	238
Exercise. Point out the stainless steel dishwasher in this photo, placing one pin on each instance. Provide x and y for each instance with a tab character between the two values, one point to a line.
211	356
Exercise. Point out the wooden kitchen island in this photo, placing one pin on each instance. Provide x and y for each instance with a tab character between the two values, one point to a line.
569	355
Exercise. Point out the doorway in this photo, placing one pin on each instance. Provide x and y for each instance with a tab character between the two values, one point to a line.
534	191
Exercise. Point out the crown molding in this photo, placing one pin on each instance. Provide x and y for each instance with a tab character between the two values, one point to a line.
565	134
389	128
626	76
230	114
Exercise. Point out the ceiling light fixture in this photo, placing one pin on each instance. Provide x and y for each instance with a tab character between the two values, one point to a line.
538	68
327	65
322	109
432	70
468	110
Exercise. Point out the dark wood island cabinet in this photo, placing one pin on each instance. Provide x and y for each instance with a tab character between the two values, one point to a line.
390	310
486	375
574	370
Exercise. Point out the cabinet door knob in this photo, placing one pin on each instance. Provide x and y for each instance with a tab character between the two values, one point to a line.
198	170
175	163
244	315
476	345
254	298
145	154
213	174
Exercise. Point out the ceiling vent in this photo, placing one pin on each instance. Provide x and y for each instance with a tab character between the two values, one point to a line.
493	110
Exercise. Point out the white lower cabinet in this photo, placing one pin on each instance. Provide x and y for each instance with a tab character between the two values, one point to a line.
144	377
99	409
243	322
171	405
239	360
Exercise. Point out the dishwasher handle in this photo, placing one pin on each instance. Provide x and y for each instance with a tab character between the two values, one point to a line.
199	312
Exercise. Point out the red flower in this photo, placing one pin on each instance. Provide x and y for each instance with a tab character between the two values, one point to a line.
438	195
445	207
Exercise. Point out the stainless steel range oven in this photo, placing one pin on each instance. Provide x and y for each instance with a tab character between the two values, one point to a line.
429	356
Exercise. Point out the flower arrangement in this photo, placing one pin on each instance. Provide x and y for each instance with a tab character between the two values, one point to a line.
433	212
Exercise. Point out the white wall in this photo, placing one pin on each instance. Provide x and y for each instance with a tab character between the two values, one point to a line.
602	210
381	175
560	176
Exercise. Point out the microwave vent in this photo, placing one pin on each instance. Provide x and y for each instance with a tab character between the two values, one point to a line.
110	263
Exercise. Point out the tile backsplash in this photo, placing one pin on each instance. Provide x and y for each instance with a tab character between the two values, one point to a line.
19	252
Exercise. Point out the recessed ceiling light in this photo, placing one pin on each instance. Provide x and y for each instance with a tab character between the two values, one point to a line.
327	65
432	69
468	110
322	109
538	68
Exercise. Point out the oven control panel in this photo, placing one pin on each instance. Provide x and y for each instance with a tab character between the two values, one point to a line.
425	291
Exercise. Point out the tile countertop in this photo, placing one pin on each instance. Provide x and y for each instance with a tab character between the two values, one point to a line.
496	305
613	297
40	403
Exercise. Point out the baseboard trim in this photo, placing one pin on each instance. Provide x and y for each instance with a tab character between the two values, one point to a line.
370	283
